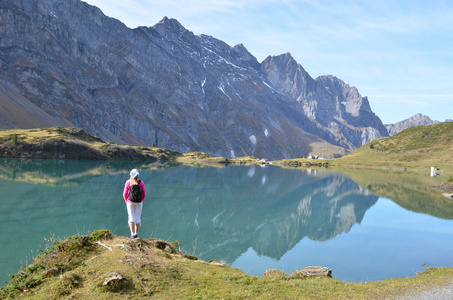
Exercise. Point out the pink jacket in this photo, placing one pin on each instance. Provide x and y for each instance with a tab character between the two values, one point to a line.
127	191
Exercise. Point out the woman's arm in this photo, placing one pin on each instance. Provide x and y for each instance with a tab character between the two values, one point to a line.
142	184
126	191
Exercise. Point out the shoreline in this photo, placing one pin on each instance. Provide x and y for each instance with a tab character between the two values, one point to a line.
104	266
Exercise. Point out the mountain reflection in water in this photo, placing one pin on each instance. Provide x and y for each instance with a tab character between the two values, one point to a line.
215	213
226	211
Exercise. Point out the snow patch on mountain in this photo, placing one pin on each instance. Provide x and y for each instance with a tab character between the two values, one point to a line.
253	139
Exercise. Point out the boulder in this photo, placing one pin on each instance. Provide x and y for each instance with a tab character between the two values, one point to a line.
112	278
274	273
313	271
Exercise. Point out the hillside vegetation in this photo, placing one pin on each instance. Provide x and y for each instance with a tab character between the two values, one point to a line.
427	144
417	148
104	266
72	143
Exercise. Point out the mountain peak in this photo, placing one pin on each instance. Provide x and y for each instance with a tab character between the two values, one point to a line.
282	61
284	73
282	58
415	120
246	56
167	25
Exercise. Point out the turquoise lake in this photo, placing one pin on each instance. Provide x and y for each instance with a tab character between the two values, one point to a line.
252	218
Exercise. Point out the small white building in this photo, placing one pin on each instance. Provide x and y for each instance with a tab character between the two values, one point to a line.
263	161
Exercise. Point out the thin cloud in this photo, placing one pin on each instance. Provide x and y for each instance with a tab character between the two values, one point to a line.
447	96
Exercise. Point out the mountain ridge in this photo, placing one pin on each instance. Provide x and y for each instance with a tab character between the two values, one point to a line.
415	120
167	86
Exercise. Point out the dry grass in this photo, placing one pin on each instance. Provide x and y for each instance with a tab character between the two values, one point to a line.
155	269
201	159
61	142
415	149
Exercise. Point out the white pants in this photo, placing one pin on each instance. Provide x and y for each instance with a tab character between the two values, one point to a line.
134	212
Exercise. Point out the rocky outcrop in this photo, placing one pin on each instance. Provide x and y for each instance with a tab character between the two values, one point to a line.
305	272
415	120
73	143
113	278
64	63
314	271
331	108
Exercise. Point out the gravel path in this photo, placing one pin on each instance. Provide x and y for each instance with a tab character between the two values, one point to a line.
439	293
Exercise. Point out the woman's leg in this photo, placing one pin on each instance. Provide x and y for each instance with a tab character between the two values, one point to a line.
134	211
138	215
130	217
132	227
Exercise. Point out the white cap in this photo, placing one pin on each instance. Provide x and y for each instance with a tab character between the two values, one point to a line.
134	173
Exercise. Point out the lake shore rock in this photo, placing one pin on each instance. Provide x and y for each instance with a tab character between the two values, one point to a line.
305	272
314	271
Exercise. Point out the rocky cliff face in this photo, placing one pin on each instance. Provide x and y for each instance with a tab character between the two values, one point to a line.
415	120
332	109
65	63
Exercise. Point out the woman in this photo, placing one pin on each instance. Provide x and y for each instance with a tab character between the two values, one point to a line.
134	201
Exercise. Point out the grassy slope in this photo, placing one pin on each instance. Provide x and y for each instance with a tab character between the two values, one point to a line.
417	147
54	141
42	134
76	269
14	143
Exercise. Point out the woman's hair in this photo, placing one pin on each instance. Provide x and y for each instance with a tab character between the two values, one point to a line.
134	180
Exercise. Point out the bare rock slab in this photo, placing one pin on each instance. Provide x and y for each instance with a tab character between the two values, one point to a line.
113	278
274	273
314	271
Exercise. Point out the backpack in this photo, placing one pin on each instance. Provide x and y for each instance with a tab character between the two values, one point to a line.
136	193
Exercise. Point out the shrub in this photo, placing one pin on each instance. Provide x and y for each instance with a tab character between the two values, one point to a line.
100	235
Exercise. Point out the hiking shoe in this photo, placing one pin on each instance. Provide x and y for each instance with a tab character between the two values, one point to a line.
135	236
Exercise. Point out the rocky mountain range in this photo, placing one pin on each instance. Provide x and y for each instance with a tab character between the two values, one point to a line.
415	120
64	63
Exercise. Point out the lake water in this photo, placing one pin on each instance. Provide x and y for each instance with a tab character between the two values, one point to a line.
252	218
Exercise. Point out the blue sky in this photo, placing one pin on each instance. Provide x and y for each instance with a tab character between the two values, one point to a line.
398	53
